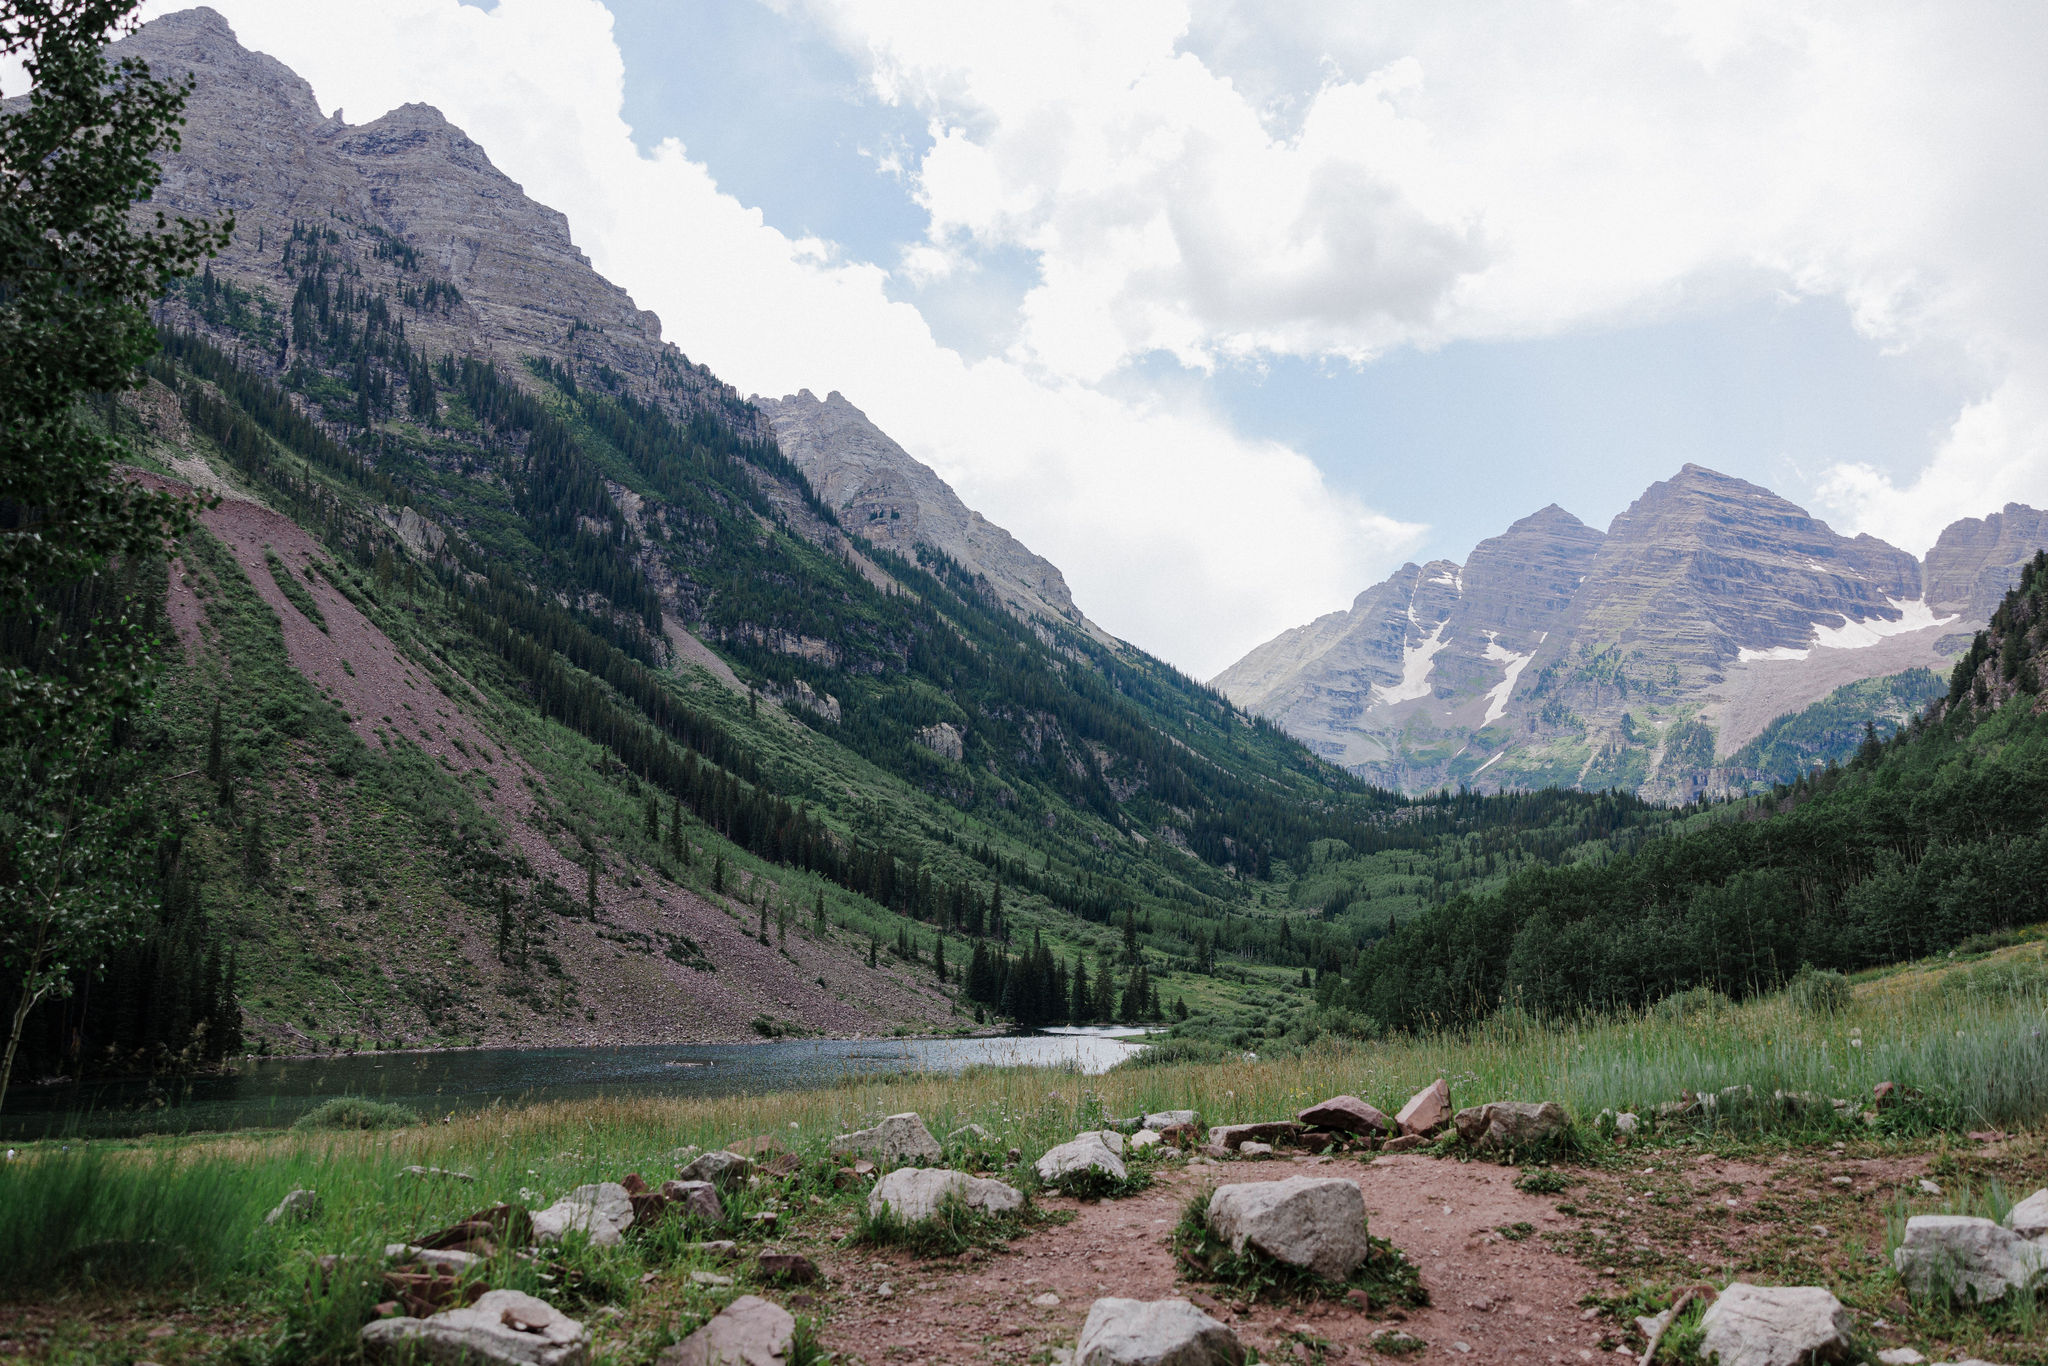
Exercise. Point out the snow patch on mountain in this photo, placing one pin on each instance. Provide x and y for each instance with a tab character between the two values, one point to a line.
1416	662
1914	615
1497	698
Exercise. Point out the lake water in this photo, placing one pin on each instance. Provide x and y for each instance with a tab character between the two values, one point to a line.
274	1093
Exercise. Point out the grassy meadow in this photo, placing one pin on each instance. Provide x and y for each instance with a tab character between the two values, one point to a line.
1968	1032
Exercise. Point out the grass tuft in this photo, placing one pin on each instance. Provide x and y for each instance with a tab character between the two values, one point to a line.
354	1112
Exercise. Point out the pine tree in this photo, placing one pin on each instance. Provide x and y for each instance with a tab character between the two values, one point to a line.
818	913
1083	1003
782	925
939	956
255	845
1105	990
1130	935
653	819
718	874
763	934
874	951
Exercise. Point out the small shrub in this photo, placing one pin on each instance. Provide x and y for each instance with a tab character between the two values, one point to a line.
1092	1183
951	1231
1386	1276
1516	1232
354	1112
1544	1181
1693	1001
1820	991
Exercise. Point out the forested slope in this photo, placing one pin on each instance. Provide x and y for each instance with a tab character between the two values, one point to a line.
1922	841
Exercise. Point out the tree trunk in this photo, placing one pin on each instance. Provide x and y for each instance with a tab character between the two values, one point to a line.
14	1033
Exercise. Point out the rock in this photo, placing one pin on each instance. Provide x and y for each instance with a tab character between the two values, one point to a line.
899	1138
1754	1325
1086	1153
697	1199
913	1194
295	1208
727	1171
723	1249
1254	1149
787	1266
430	1256
970	1133
1268	1131
1652	1324
435	1173
1627	1123
1966	1257
1316	1223
1111	1139
503	1326
1046	1301
1406	1143
1154	1333
1174	1123
1346	1113
2029	1218
710	1280
1511	1124
1145	1138
1901	1356
602	1209
750	1331
1427	1111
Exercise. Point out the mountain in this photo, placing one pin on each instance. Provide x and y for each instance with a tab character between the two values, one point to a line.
880	491
1647	657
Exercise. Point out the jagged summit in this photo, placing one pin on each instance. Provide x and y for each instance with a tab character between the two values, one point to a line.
1640	657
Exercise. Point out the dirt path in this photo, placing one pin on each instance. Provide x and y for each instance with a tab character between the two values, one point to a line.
1492	1297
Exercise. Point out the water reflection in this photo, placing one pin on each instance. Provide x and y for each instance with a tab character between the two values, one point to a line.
273	1094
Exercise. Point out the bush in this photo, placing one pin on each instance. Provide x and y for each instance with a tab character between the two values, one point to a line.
1168	1052
1684	1005
1820	992
354	1112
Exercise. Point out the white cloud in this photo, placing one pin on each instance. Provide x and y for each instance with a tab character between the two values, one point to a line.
1173	531
1225	180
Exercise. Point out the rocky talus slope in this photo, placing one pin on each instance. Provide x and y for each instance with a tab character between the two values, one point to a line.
1641	658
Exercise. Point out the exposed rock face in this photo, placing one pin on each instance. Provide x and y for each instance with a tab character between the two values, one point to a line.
410	200
1123	1332
603	1209
880	491
914	1194
1316	1223
1641	658
503	1326
1511	1124
1427	1111
899	1138
2029	1218
1755	1325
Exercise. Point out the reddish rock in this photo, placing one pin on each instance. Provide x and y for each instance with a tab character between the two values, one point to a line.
1428	1110
1347	1113
789	1266
1229	1136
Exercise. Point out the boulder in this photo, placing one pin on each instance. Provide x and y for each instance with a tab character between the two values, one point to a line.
1348	1113
1154	1333
1174	1123
1756	1325
970	1133
1145	1138
1406	1143
1427	1111
1254	1148
603	1209
430	1256
1111	1139
899	1138
697	1199
1086	1153
787	1266
1313	1222
750	1331
295	1208
1511	1124
727	1171
913	1194
1268	1131
503	1328
2029	1218
1967	1257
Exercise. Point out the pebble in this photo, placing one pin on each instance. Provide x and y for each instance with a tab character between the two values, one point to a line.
1046	1301
710	1278
1926	1188
885	1291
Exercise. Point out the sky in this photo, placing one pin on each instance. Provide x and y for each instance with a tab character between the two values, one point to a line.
1229	309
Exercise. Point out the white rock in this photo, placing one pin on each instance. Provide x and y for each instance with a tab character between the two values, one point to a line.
750	1331
1317	1223
710	1279
2029	1218
914	1194
1145	1138
1254	1149
1154	1333
603	1209
728	1171
899	1138
972	1133
1046	1301
503	1328
1163	1120
1927	1188
297	1207
1111	1139
1082	1154
1967	1256
1627	1123
1901	1356
1754	1325
406	1252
